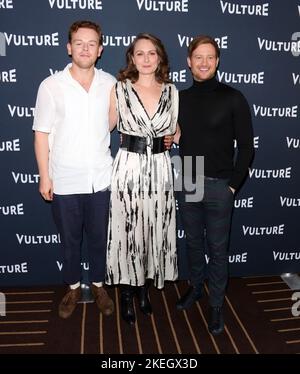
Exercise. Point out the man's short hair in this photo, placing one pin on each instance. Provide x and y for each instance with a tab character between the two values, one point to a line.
87	25
203	39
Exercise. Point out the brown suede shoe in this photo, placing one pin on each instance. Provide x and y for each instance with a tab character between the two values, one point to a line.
69	303
103	301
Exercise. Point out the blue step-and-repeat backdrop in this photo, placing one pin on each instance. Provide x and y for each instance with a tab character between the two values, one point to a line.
260	48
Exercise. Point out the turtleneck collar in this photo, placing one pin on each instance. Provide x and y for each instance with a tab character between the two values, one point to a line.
205	86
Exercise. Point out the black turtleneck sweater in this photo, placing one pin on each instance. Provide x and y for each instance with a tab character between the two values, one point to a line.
211	116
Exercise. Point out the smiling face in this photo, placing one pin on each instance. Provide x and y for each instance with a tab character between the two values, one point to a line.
203	62
145	57
84	48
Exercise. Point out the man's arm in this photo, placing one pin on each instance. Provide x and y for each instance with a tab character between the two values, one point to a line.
41	148
243	132
44	118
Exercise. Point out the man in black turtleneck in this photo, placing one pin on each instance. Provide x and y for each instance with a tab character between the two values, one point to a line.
211	116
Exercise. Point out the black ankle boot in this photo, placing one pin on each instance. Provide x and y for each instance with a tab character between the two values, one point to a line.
216	321
127	309
142	293
192	295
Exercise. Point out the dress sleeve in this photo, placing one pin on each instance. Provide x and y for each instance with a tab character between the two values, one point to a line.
175	107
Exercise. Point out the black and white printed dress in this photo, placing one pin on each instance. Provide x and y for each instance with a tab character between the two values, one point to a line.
142	227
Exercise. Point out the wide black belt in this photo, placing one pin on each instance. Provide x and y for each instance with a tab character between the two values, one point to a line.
139	144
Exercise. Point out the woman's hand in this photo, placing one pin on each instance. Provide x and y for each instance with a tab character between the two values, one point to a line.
168	141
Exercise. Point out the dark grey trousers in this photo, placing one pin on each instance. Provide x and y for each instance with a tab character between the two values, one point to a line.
209	221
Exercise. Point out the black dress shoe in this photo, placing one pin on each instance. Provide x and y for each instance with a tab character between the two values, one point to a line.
143	299
192	295
216	321
127	309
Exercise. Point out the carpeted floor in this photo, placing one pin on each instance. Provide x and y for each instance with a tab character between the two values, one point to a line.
257	310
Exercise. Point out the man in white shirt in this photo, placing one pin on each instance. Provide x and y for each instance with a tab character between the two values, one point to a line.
72	147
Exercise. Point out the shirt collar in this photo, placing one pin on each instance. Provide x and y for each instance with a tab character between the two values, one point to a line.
68	76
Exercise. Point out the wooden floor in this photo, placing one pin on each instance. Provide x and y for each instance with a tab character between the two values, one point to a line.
258	319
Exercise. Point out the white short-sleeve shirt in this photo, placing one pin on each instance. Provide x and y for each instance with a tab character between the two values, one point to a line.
77	123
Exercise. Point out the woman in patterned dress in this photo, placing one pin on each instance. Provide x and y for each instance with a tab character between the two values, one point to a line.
142	229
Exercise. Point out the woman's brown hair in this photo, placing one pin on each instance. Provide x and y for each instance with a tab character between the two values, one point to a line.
130	72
